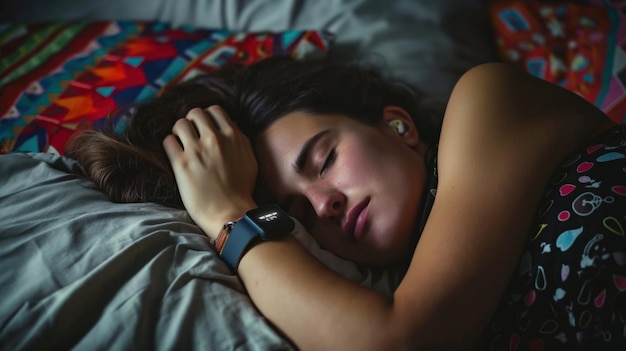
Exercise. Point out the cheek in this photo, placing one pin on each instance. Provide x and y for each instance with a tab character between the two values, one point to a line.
375	168
358	163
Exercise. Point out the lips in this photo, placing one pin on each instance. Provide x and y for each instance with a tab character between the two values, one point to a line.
355	220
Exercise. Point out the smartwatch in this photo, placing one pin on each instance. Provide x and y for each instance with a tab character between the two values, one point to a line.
267	222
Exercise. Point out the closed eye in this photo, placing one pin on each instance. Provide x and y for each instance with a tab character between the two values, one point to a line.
328	162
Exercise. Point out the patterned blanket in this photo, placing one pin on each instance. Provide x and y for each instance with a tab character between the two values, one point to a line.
58	78
579	45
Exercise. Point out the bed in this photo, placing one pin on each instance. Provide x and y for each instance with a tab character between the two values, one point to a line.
81	272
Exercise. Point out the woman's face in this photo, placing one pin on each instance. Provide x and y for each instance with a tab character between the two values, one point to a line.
357	188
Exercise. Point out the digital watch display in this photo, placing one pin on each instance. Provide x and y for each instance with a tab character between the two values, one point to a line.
267	222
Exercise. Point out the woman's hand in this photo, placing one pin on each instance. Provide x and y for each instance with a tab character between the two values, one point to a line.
214	166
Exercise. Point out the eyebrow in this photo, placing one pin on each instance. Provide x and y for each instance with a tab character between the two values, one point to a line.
306	149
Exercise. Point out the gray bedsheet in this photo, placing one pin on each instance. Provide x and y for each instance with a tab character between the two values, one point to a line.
78	272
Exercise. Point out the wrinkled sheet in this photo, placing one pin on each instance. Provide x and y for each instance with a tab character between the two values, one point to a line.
78	272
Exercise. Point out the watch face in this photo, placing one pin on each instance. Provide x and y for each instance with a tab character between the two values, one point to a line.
271	221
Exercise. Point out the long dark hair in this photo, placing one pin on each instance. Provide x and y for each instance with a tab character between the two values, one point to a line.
132	166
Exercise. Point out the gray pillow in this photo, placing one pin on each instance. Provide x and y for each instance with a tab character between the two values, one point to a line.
427	43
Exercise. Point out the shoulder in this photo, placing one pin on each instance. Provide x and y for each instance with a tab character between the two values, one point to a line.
501	92
500	105
511	129
503	134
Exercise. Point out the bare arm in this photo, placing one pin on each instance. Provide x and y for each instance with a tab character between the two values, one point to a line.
496	130
504	133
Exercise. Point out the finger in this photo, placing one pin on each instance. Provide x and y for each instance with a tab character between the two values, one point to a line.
201	120
172	147
185	131
221	119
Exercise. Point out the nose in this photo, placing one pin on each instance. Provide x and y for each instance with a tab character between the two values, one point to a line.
327	203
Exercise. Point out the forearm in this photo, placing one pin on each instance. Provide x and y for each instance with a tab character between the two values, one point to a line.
315	307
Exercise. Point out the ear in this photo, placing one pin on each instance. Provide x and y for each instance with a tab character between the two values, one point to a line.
395	113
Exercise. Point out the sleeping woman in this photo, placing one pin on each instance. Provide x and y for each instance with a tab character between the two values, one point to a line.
510	214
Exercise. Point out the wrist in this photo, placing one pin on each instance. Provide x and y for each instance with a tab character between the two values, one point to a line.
264	223
212	223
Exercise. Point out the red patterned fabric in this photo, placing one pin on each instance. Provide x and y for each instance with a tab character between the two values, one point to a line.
581	47
58	78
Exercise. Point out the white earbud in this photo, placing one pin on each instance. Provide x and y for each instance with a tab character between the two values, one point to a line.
398	125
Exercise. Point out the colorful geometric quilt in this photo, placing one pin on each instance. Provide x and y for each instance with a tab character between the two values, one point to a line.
58	78
580	46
